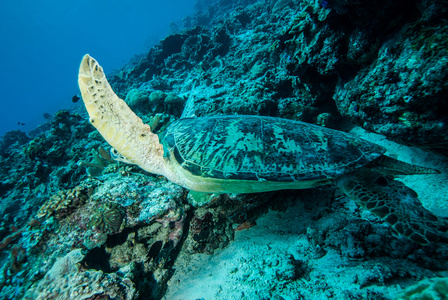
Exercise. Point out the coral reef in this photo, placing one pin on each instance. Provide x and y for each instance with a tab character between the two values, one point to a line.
67	280
118	232
100	158
108	219
402	93
43	166
209	230
136	98
291	64
61	203
12	139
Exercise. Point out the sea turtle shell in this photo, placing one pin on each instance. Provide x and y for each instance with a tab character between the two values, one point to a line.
264	149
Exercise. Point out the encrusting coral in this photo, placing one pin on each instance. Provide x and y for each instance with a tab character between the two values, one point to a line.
62	202
67	280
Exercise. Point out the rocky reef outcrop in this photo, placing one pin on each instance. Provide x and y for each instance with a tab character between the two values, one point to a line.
380	65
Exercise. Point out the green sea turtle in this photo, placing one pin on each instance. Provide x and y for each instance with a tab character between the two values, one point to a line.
248	154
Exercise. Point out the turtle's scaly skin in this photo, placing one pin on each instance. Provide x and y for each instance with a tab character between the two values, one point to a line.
393	202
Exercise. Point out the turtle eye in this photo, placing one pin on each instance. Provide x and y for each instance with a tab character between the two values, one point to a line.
382	181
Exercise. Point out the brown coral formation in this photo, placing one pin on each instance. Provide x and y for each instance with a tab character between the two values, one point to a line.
209	230
108	219
61	203
10	238
175	220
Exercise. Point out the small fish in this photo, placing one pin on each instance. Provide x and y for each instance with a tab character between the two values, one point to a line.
245	225
20	123
75	98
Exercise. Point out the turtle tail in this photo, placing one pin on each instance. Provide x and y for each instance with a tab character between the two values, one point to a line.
395	203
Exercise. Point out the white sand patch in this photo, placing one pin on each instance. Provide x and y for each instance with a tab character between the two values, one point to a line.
261	263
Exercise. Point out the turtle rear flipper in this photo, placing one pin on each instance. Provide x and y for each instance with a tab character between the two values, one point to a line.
395	203
390	166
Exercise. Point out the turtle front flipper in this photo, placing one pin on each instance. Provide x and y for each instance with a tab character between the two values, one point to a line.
116	122
395	203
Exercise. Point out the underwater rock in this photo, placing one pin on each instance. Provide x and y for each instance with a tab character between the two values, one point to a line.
161	199
402	94
172	44
68	280
93	239
209	230
136	98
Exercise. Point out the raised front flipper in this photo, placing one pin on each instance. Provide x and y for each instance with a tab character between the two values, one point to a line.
116	122
395	203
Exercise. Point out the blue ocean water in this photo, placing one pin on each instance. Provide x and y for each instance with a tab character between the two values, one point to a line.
44	41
